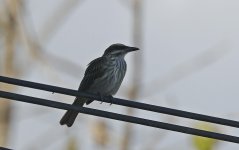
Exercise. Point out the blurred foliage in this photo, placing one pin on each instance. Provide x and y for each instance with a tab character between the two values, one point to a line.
100	133
8	46
203	143
72	144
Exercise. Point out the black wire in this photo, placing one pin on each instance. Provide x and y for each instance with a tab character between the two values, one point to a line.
3	148
115	116
122	102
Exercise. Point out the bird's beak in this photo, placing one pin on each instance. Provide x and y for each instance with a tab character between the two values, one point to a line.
131	49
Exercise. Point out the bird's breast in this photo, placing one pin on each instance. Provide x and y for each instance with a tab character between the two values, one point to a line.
111	80
118	71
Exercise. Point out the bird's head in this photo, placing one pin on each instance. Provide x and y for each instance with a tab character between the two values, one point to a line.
119	50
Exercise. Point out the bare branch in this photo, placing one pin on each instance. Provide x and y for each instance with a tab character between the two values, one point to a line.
8	22
55	20
37	52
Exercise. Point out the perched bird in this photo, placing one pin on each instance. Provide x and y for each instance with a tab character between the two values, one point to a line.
103	76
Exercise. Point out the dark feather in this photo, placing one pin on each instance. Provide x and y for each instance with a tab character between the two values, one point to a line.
94	70
70	115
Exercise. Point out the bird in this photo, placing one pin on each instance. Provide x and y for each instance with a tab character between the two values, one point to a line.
103	76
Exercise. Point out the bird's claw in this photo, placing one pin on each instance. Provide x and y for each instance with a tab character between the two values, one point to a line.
110	97
102	98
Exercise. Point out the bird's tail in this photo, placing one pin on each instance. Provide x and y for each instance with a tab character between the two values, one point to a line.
70	116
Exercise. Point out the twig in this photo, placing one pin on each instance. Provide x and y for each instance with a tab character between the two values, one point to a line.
55	20
39	54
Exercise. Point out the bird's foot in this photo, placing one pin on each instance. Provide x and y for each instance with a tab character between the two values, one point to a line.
101	98
110	97
104	98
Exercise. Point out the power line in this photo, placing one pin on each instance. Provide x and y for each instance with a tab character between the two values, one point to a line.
121	102
115	116
3	148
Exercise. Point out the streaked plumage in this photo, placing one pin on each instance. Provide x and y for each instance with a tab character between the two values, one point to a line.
103	76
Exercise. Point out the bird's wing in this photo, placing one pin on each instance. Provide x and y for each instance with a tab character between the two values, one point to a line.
94	71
